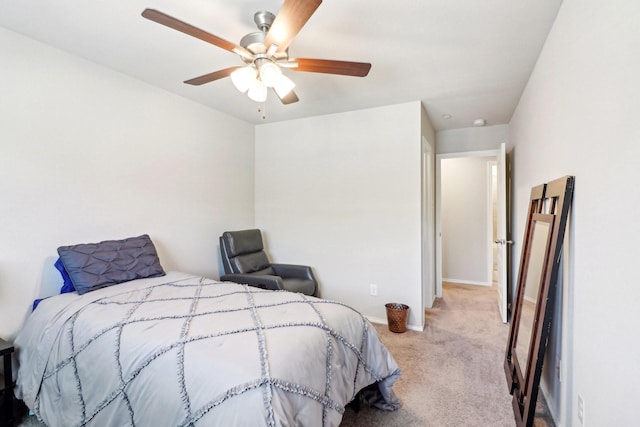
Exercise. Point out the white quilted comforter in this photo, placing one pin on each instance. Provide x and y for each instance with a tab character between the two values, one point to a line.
181	350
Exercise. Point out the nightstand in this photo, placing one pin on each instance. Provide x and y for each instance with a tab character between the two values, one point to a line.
6	386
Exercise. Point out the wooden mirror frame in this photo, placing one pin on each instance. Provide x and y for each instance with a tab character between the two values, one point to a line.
549	203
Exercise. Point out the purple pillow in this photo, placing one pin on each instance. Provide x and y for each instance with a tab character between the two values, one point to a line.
93	266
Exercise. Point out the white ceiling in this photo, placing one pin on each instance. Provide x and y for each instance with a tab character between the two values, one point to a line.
470	59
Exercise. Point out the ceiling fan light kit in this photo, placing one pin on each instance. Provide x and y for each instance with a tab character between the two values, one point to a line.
257	92
265	52
248	77
269	73
243	77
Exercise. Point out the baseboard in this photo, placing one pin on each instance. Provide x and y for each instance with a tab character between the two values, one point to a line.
380	321
466	282
545	393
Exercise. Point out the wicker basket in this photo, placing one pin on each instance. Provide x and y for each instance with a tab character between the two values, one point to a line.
397	317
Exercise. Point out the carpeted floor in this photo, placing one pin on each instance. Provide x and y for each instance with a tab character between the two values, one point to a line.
452	371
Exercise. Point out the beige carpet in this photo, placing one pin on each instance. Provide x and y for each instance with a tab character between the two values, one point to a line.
453	371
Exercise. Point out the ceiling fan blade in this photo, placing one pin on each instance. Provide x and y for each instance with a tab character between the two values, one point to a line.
345	68
291	18
207	78
183	27
290	98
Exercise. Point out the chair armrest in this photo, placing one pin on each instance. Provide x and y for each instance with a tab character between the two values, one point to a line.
259	281
293	271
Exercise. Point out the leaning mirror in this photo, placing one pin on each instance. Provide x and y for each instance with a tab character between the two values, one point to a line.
535	266
533	304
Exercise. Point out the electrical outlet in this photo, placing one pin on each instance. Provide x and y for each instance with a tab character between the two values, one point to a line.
580	410
373	290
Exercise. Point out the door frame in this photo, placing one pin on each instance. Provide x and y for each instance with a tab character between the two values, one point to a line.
428	225
492	210
438	234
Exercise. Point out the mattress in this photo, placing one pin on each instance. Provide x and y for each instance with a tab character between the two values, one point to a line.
186	350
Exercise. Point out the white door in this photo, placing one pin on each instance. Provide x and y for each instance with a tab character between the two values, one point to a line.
502	238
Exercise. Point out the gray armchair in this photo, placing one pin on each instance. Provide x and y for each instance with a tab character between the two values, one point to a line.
245	261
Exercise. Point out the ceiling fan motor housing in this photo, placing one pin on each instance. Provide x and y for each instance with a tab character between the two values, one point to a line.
253	42
262	60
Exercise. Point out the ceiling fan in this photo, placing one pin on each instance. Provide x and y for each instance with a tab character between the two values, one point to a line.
266	52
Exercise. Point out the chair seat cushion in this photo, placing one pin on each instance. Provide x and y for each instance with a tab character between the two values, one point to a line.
303	286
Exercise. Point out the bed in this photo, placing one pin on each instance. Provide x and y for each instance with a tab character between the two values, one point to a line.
177	349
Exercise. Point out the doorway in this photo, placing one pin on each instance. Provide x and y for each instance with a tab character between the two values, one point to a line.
465	250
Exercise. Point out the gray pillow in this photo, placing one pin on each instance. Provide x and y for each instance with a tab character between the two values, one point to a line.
93	266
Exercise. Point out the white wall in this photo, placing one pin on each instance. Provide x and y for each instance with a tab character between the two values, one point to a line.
87	154
465	223
471	139
578	116
342	193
